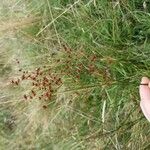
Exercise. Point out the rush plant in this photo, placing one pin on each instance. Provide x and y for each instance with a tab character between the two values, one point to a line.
74	74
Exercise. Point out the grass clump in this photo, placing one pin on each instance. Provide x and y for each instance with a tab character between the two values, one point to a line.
91	54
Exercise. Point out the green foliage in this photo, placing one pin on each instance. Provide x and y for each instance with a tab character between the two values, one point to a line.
100	50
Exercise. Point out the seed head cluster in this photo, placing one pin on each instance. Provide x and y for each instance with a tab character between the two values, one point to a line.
43	82
77	62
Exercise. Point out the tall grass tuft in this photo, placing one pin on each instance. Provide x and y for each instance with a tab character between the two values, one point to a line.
70	72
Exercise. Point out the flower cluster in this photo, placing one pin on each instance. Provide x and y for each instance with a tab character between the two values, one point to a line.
43	82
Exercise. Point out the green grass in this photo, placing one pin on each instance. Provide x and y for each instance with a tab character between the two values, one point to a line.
100	50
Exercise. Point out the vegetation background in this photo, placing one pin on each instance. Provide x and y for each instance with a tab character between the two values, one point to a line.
98	50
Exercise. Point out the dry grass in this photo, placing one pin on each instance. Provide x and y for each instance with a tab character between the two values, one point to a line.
17	24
